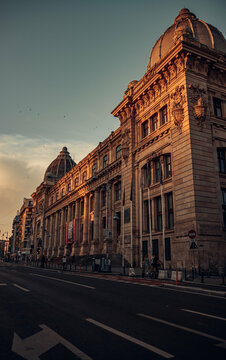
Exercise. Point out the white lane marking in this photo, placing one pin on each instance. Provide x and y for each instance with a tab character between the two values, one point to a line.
1	284
207	291
132	339
65	281
191	292
203	314
34	346
21	288
183	328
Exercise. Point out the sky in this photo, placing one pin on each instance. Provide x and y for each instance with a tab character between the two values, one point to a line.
64	66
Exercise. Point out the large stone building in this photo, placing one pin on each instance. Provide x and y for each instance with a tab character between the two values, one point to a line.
161	175
22	245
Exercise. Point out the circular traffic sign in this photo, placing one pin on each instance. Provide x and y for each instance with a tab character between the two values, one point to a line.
192	234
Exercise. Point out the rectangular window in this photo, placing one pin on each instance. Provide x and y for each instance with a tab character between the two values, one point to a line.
94	169
118	191
92	229
167	249
103	197
81	232
217	107
168	171
76	182
82	207
223	193
154	122
118	152
221	160
62	192
144	129
84	176
155	247
144	249
118	223
126	216
69	187
164	115
158	213
105	161
57	195
169	204
147	205
146	175
91	207
157	170
104	222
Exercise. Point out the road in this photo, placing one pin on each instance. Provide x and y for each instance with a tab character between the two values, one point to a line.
53	315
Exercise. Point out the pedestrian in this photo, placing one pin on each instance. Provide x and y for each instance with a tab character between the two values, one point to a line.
64	261
155	264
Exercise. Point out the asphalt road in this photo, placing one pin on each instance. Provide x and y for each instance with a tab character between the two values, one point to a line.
53	315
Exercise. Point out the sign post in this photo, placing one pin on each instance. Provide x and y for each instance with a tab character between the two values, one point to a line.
193	246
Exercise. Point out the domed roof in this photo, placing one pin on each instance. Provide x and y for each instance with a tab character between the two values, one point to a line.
187	25
60	166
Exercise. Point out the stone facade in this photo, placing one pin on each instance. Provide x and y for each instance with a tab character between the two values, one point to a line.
24	229
160	174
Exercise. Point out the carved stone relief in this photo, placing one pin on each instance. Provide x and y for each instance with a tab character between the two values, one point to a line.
199	100
177	106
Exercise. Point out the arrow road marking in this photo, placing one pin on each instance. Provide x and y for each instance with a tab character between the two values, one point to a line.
208	315
21	288
34	346
222	341
65	281
132	339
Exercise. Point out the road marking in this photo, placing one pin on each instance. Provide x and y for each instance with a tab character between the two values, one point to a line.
21	288
208	315
222	341
65	281
1	284
132	339
34	346
191	292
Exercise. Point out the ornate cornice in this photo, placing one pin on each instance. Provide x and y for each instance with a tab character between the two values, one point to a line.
153	138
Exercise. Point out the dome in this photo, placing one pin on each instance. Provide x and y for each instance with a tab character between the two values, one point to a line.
60	166
187	25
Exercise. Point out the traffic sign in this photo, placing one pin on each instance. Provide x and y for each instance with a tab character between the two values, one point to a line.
193	245
192	234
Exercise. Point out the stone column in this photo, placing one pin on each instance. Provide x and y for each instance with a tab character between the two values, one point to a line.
51	234
109	210
85	219
56	233
77	222
46	233
96	215
61	227
152	172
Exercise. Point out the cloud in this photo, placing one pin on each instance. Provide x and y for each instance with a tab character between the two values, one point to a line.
23	162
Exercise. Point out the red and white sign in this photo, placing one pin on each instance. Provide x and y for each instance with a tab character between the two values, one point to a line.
192	234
